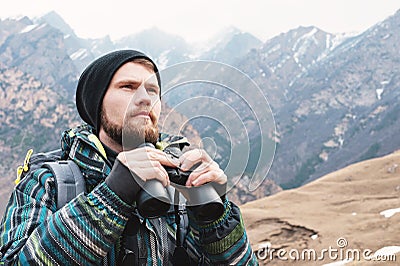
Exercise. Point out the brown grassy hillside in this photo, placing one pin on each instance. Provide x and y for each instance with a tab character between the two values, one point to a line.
344	204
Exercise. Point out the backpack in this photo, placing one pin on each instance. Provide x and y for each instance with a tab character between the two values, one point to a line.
68	178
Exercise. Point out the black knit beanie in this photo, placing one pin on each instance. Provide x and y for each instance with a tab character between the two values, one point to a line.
95	80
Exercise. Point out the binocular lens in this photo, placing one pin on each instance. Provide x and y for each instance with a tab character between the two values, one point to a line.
209	212
153	207
155	202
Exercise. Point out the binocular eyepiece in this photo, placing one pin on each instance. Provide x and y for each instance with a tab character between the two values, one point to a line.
154	200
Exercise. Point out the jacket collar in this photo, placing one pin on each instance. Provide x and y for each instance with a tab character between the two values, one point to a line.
82	146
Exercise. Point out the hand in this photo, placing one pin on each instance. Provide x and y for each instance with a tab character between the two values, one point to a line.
207	171
147	163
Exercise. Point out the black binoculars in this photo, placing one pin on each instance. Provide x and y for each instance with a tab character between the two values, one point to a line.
154	200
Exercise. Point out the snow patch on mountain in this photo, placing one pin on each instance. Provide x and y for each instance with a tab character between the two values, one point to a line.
79	54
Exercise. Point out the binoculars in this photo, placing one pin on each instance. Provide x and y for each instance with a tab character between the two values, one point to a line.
154	200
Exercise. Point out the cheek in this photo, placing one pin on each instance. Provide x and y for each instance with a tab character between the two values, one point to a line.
157	109
115	106
158	112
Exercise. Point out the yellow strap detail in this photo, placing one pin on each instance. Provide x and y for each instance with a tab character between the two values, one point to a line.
25	167
20	169
98	144
71	134
161	145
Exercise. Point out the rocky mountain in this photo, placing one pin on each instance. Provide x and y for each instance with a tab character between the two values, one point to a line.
81	51
166	49
278	63
230	45
342	109
32	115
38	49
333	99
353	214
332	96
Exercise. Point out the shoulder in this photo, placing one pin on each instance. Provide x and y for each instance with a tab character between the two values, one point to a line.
36	186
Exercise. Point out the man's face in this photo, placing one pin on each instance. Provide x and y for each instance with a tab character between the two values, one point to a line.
131	106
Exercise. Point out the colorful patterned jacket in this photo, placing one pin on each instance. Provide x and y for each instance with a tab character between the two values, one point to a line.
90	228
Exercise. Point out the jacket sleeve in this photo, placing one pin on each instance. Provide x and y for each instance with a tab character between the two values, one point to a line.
223	242
33	232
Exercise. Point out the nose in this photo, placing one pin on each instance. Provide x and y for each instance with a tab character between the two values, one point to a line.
142	97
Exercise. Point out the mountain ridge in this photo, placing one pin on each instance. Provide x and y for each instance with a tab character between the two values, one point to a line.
326	91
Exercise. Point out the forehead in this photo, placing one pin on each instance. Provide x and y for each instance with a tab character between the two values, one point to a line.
137	71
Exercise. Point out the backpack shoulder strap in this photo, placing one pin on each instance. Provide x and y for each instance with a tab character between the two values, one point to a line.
69	180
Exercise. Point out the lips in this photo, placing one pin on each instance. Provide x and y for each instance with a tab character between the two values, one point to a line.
143	113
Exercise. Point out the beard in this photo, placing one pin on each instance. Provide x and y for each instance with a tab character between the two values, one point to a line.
134	131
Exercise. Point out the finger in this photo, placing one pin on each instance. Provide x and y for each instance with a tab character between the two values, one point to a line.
149	173
157	155
202	169
214	174
204	178
190	158
195	174
137	155
168	160
141	161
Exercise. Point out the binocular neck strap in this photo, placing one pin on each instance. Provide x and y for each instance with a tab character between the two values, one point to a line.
180	256
180	211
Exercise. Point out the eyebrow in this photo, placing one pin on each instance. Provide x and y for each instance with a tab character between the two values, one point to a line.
149	82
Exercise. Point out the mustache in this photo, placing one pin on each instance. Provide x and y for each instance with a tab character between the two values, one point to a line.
150	113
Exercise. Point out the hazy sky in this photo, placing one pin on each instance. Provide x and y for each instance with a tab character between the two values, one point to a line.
198	20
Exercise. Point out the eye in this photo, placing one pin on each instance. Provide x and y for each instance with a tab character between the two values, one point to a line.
126	86
153	90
